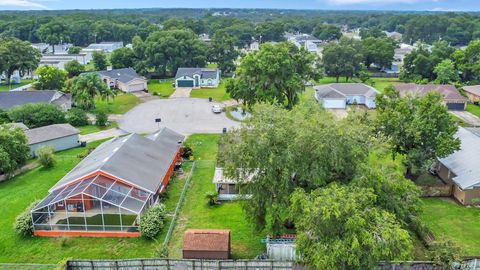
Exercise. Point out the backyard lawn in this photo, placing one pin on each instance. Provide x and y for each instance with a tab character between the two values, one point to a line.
381	83
6	87
121	104
474	109
196	213
93	128
218	94
450	221
163	88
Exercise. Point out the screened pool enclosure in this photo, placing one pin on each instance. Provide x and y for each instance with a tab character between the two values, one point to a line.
94	204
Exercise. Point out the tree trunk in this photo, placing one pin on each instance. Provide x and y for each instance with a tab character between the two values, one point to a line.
337	78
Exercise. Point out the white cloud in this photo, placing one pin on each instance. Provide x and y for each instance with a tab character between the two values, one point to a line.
350	2
22	4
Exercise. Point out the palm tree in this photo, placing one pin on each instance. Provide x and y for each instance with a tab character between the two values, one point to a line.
86	87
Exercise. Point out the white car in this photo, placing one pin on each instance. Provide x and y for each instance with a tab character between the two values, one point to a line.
217	109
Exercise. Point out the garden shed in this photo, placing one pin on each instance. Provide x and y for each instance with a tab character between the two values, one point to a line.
206	244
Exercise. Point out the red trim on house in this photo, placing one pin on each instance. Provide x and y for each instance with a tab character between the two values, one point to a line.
84	234
168	175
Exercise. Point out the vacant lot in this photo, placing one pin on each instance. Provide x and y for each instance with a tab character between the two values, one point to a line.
121	104
163	88
218	94
450	221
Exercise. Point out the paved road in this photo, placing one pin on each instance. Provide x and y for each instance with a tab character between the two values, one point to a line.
469	118
185	115
109	133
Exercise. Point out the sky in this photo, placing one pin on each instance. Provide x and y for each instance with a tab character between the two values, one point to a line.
430	5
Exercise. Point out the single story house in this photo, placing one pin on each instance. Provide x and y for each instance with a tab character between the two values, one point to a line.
206	244
461	169
473	93
451	96
58	136
339	95
197	77
11	99
106	46
59	60
107	193
125	79
227	188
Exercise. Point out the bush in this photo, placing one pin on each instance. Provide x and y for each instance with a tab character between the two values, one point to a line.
37	114
187	152
152	223
212	197
14	149
155	94
444	254
77	117
101	119
23	223
45	156
162	251
4	117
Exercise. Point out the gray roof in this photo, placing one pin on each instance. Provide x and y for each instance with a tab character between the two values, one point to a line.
341	90
48	133
205	73
140	161
11	99
464	163
472	89
124	75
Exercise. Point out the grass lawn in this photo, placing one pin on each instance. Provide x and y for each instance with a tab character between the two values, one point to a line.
93	128
381	83
7	87
121	104
164	88
218	94
473	109
212	65
450	221
196	213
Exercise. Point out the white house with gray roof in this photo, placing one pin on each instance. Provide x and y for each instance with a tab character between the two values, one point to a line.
125	79
197	77
59	136
339	95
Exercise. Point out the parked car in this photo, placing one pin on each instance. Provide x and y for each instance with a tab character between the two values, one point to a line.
217	109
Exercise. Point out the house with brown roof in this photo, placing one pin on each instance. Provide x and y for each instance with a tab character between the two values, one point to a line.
473	93
451	96
206	244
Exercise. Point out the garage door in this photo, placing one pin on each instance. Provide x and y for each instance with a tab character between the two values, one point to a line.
456	106
185	83
137	87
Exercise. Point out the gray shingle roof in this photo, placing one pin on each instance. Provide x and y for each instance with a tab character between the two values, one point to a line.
449	92
464	162
48	133
341	90
9	100
143	162
205	73
124	75
473	89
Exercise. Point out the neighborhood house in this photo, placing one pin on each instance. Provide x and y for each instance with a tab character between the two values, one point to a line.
473	93
11	99
206	244
461	169
106	46
227	188
125	79
451	96
339	95
107	193
197	77
58	136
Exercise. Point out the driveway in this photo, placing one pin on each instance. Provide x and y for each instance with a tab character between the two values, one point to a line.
109	133
468	117
181	92
184	115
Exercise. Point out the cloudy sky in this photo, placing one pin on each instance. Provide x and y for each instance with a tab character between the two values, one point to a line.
437	5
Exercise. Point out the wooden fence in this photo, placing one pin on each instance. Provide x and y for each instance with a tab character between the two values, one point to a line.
170	264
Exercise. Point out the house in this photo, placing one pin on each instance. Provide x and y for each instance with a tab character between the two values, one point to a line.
227	188
107	193
45	48
401	52
107	46
58	136
59	60
206	244
473	93
125	79
197	77
307	41
451	96
461	169
394	35
339	95
11	99
254	46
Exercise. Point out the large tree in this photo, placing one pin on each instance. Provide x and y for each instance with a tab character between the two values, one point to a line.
35	115
74	68
54	32
468	61
343	58
446	72
88	86
327	32
50	78
378	51
276	73
223	51
420	128
17	55
14	150
99	60
122	58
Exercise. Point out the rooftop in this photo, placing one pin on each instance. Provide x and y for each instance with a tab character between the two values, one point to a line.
48	133
473	89
206	240
449	92
205	73
10	99
341	90
124	75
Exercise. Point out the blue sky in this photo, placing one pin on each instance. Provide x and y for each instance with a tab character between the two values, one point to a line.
436	5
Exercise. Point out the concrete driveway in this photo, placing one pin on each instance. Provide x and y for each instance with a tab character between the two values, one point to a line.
184	115
469	118
181	92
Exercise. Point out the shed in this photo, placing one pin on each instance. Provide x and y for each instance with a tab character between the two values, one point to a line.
58	136
206	244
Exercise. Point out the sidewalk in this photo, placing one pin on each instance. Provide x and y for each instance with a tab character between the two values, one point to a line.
109	133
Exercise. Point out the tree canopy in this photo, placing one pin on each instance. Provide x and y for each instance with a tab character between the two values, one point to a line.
99	60
122	58
17	55
342	58
14	150
37	114
223	51
50	78
53	33
88	86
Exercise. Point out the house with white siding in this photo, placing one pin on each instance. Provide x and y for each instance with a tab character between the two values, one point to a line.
339	95
58	136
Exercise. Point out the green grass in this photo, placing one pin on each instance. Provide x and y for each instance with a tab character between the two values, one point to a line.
164	88
121	104
212	65
450	221
7	87
196	213
381	83
473	109
218	94
93	128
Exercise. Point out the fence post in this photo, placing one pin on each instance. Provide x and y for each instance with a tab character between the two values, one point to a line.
93	266
219	265
168	264
141	264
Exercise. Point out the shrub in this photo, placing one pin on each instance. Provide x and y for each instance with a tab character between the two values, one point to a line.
77	117
212	197
155	94
14	149
101	119
23	223
45	156
162	251
187	152
37	114
4	117
444	253
152	222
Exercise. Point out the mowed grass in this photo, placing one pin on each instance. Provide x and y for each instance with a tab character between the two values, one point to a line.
163	88
473	109
93	128
381	83
7	87
451	221
218	94
196	213
121	104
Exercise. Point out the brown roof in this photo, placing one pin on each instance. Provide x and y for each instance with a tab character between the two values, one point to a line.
449	92
473	89
206	240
